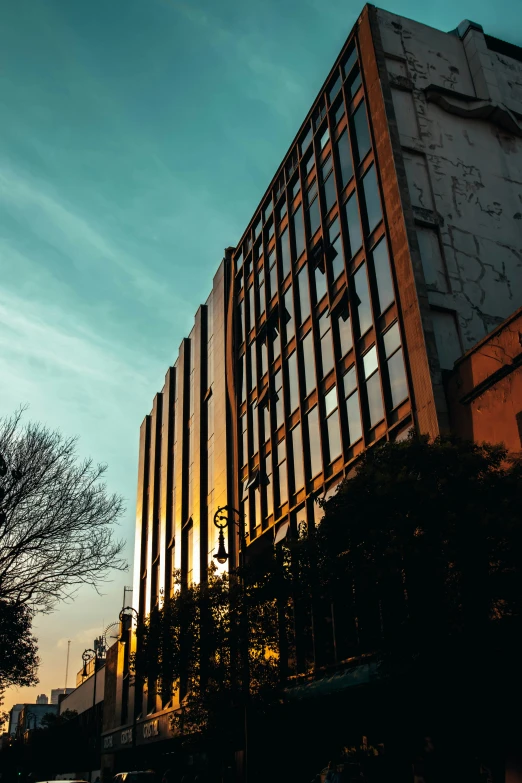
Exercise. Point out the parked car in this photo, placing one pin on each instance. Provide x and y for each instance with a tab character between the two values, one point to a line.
138	776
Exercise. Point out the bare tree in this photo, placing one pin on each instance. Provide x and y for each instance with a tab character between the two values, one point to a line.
56	517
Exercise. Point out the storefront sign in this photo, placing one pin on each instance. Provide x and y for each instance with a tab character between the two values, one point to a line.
126	737
151	729
107	742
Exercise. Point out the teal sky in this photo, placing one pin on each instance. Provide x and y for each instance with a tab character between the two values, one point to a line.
137	137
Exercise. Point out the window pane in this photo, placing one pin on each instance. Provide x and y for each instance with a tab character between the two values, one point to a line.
362	133
351	59
283	484
373	389
314	217
309	363
253	369
297	448
306	141
371	195
381	264
350	381
392	340
267	211
327	355
261	301
310	161
299	234
282	209
257	228
345	331
370	362
353	412
285	254
293	385
271	229
330	401
354	226
266	423
289	315
324	138
264	358
334	436
244	449
338	260
242	378
251	311
241	320
353	83
269	489
320	283
255	432
315	441
334	89
276	345
295	187
362	297
304	293
398	385
272	275
278	388
345	159
339	112
329	192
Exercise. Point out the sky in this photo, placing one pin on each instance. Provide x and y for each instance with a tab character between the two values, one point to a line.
137	138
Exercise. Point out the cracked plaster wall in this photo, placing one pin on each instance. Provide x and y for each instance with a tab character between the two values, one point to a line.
464	177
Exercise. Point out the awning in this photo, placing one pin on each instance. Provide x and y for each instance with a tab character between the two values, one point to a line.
338	682
281	533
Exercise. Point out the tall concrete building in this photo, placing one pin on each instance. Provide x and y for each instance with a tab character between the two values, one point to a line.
386	247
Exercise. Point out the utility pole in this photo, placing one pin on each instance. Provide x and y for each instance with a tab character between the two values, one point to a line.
67	666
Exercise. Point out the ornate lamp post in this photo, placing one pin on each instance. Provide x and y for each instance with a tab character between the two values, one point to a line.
129	611
92	655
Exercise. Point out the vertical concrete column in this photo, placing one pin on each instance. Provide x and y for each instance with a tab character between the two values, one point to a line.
480	62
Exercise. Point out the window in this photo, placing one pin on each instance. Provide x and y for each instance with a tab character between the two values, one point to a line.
325	333
251	310
270	229
244	451
345	158
334	89
255	430
239	261
258	250
383	277
304	293
349	60
371	197
309	363
276	343
289	315
272	274
328	186
354	225
282	472
264	358
362	134
307	138
353	83
395	363
266	423
261	302
314	436
314	218
241	321
189	548
257	228
362	298
353	409
297	450
285	253
299	234
242	378
253	368
269	487
257	507
335	252
267	211
339	111
332	424
345	331
281	209
320	282
373	386
293	383
320	114
278	396
310	162
325	138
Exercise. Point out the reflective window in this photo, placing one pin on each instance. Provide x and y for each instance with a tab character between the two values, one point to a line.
329	192
309	162
282	471
327	355
253	370
266	423
332	424
281	209
242	378
276	343
264	358
306	140
257	228
373	386
334	89
335	254
299	234
362	298
285	253
239	261
257	507
304	293
324	138
272	272
241	320
345	331
244	441
362	134
295	187
314	218
353	409
320	282
289	314
381	265
349	61
345	158
371	197
315	441
395	363
353	83
270	229
339	112
251	310
354	225
278	396
267	211
255	431
293	384
309	363
261	302
258	249
269	487
297	449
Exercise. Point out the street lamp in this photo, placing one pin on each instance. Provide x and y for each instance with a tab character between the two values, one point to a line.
92	655
222	521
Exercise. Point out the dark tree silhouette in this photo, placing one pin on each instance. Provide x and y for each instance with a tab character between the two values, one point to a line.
18	650
56	517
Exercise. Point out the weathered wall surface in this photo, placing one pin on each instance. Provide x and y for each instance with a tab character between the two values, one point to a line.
458	107
485	390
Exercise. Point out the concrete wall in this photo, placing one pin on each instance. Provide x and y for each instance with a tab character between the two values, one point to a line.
81	698
458	107
485	390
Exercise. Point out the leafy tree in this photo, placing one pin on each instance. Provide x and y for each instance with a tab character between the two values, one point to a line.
18	651
56	517
52	720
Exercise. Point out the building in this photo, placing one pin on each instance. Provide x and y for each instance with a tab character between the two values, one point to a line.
385	249
57	692
30	717
14	712
42	699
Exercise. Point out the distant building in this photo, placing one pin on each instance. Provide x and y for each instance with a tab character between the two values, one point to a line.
57	692
42	699
30	716
13	718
